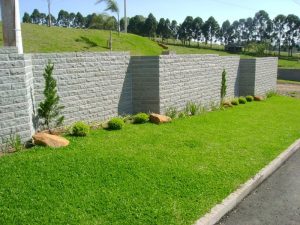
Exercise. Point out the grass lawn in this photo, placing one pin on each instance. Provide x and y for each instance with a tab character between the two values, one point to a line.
288	82
289	63
40	39
147	174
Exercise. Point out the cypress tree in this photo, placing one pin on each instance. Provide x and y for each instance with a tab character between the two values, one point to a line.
223	86
49	110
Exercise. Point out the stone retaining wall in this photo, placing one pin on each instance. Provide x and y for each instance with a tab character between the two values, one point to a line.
97	86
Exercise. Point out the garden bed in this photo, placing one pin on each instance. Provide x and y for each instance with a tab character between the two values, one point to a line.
147	174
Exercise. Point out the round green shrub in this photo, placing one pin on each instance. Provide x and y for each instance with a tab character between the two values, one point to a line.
242	100
116	124
141	118
250	98
80	129
235	101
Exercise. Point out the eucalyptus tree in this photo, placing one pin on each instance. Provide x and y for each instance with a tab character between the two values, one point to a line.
150	26
261	23
197	29
225	32
292	32
186	30
112	5
35	16
174	29
279	24
79	20
136	25
26	18
161	27
210	30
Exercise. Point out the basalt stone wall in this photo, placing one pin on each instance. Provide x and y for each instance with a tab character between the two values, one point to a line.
265	75
97	86
289	74
16	108
145	83
257	76
92	86
196	78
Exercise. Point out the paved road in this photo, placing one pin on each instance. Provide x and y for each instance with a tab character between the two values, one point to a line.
275	202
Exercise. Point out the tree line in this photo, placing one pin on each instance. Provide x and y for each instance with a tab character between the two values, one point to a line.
75	20
281	31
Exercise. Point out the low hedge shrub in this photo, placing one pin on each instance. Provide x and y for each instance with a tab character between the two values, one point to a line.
141	118
235	101
249	98
242	100
80	129
116	124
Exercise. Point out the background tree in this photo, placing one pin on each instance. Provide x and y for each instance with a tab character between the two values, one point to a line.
210	30
122	23
150	26
79	20
167	33
63	18
160	28
187	29
35	16
197	29
174	29
49	110
225	32
26	18
112	5
292	32
136	25
261	25
279	23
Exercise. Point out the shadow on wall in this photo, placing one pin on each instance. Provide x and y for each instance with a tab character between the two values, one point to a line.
125	105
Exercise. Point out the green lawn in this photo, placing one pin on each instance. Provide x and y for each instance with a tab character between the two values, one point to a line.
39	39
147	174
289	63
195	50
288	82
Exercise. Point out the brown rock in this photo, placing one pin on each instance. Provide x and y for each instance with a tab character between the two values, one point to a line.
227	104
158	119
50	140
258	98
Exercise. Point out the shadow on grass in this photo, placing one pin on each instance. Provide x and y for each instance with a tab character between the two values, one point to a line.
88	42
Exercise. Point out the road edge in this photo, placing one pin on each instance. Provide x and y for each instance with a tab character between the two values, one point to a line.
236	197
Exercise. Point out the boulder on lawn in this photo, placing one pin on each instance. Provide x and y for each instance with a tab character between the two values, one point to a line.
50	140
259	98
227	104
158	119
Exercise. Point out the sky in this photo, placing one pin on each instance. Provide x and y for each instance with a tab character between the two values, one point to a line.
174	9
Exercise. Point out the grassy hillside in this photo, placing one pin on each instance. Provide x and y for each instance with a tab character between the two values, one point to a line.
56	39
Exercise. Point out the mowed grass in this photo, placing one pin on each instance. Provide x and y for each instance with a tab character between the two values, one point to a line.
289	63
195	50
147	174
40	39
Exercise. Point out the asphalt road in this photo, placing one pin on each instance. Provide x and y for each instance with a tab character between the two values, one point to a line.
274	202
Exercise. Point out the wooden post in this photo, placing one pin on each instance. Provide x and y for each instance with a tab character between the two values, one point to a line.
11	24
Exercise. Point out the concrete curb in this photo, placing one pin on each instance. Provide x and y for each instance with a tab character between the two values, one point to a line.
236	197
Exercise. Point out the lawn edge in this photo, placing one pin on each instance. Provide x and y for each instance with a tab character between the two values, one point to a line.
236	197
